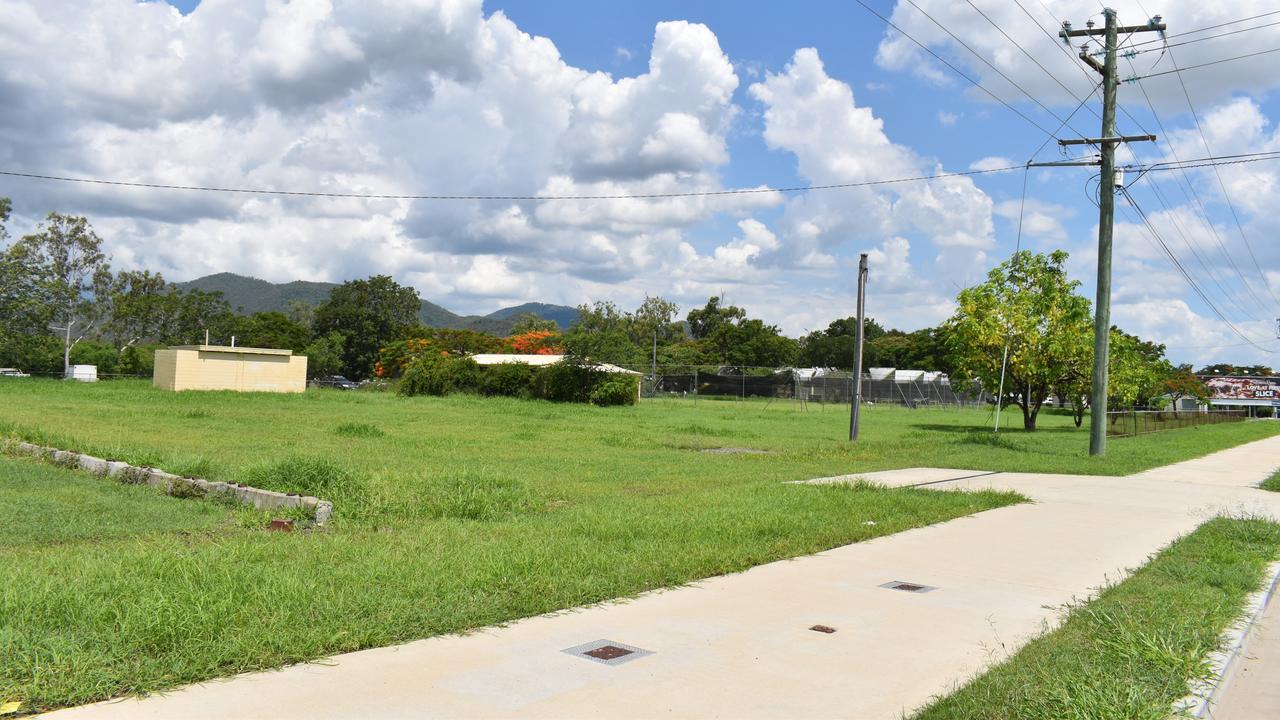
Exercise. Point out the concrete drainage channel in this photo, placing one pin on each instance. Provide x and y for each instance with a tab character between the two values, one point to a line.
321	510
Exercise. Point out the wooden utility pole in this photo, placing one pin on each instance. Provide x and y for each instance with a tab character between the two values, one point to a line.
1106	206
856	401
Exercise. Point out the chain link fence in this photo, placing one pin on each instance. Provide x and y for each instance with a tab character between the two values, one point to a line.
803	386
1125	423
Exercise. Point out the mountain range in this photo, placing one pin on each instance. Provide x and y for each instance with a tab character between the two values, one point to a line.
249	295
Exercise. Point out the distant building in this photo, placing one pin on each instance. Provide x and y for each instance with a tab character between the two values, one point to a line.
1242	391
215	367
487	359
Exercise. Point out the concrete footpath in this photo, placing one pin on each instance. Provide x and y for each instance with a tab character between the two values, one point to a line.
741	646
1252	690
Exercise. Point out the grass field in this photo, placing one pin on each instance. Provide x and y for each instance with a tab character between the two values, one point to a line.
451	513
1130	653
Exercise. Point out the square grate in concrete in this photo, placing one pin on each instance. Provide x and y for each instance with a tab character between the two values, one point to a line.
908	587
607	652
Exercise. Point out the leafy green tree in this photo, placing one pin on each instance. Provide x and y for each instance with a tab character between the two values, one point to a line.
835	346
275	330
1135	370
704	321
369	314
602	334
23	310
655	319
137	306
528	322
732	338
71	274
1182	383
324	355
1229	369
1028	302
189	314
301	312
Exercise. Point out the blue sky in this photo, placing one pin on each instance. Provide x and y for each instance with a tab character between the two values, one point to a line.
522	97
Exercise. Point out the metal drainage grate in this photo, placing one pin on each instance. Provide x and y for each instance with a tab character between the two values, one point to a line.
823	629
608	652
908	587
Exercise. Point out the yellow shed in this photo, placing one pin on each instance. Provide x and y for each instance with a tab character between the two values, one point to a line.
215	367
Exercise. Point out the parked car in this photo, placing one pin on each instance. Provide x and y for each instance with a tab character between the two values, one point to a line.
12	372
337	382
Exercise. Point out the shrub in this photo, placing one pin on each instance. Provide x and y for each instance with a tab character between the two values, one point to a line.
508	380
440	375
616	390
565	381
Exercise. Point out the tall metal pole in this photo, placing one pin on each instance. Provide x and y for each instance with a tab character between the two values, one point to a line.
856	400
1106	218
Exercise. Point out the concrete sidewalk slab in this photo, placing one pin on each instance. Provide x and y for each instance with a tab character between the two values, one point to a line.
1254	691
739	646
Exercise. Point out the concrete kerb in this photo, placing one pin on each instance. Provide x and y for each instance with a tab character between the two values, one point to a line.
1199	703
322	510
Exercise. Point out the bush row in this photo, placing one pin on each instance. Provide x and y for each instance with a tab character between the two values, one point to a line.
561	382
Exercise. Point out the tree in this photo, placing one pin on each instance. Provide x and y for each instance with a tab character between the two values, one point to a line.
1135	371
1028	302
1182	383
324	355
137	306
301	312
706	320
835	346
655	320
71	273
369	314
602	334
528	322
1228	369
274	330
190	314
23	311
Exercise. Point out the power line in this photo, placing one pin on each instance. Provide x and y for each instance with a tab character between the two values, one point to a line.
1063	48
1196	40
1203	162
1173	258
1207	27
1024	52
1203	212
1201	65
1225	196
989	64
1211	162
380	196
955	69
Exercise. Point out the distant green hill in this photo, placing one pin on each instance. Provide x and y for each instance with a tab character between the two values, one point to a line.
249	295
562	314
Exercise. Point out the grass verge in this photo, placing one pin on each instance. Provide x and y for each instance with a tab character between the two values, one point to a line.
1131	652
1272	483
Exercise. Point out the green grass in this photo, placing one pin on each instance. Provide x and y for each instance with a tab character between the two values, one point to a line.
43	506
454	513
1131	652
1272	483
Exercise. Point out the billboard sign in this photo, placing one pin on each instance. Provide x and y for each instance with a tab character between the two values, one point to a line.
1243	388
